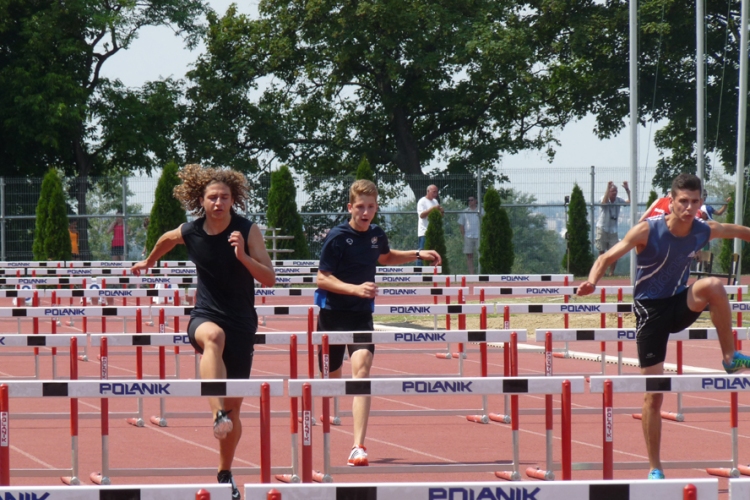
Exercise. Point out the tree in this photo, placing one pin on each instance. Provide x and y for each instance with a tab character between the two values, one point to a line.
56	108
496	237
167	213
578	258
652	196
435	238
282	213
364	171
57	244
403	83
51	237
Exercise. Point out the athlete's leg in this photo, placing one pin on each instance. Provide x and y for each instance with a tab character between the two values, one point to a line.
710	291
361	363
228	445
210	337
651	419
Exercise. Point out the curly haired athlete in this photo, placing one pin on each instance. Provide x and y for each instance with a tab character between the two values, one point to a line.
229	254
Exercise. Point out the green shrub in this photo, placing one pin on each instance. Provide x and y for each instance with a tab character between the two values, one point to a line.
578	258
652	196
56	236
282	213
51	237
167	213
496	254
434	238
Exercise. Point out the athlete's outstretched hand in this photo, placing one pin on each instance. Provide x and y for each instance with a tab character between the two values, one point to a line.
139	266
430	255
585	288
238	242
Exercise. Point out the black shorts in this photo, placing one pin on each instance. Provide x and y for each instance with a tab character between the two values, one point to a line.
655	320
343	321
117	251
238	347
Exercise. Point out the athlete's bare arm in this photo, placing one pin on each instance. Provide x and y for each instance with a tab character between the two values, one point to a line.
258	262
636	238
398	257
330	283
166	242
728	231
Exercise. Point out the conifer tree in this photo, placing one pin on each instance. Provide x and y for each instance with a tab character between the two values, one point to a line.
167	213
364	171
727	246
282	213
56	236
652	196
434	238
496	253
41	216
579	242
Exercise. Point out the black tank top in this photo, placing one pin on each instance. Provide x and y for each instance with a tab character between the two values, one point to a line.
226	289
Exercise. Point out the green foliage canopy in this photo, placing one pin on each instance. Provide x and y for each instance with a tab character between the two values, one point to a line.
434	238
578	258
496	237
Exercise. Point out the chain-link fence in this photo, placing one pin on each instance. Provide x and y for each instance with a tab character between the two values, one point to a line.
534	198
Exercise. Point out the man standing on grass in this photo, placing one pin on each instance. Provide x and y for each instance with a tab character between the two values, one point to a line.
347	290
665	245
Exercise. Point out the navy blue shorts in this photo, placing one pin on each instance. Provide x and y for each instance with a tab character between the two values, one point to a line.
343	321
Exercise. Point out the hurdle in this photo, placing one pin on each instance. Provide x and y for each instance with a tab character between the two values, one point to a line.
738	488
326	388
141	492
36	341
686	489
415	337
264	389
661	384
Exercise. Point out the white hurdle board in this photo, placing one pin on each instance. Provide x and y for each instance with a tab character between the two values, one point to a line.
434	386
623	334
617	307
99	263
547	290
261	310
41	340
57	311
708	489
720	382
145	492
739	489
181	339
417	337
429	309
140	388
515	278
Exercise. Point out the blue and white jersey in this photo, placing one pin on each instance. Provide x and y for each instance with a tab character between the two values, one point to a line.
663	267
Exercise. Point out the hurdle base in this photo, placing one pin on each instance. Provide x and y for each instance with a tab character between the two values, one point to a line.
508	475
312	420
503	419
161	422
562	355
478	419
97	478
70	480
333	420
537	473
744	470
319	477
288	478
731	473
137	422
666	415
83	357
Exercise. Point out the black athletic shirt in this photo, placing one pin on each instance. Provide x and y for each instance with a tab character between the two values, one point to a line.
226	289
351	256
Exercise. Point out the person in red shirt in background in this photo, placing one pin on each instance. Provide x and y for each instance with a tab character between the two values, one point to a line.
662	206
117	228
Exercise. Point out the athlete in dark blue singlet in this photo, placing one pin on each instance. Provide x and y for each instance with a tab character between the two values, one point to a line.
663	301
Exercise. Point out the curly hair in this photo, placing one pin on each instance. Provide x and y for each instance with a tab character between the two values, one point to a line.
195	180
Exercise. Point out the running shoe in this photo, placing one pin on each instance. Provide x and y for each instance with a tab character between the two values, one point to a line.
225	477
656	474
222	424
740	363
358	457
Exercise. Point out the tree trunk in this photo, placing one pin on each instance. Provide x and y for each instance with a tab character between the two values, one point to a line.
407	153
83	162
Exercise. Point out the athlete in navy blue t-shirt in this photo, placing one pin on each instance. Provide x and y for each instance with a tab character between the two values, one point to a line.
347	290
663	302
